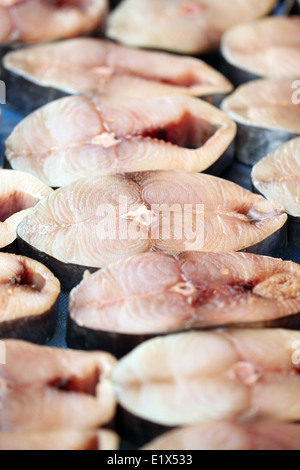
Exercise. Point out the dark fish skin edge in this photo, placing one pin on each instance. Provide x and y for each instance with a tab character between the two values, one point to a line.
6	165
213	58
86	339
235	74
12	248
70	275
5	48
24	96
223	163
118	344
215	100
137	430
254	143
273	246
38	329
293	224
294	230
114	3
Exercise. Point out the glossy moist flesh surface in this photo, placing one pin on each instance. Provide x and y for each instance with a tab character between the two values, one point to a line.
47	389
267	48
153	293
189	27
87	65
78	136
96	221
266	104
42	20
196	377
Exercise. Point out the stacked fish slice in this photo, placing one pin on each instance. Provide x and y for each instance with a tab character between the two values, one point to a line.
117	191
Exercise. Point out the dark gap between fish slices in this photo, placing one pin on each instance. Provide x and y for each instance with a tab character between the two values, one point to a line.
253	143
137	430
30	96
86	339
5	48
69	274
235	74
296	8
86	385
12	248
189	132
14	203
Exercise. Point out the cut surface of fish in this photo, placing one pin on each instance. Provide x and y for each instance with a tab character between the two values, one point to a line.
19	192
267	116
154	293
60	440
277	177
189	27
230	436
42	20
97	221
185	379
29	299
88	65
78	137
46	389
266	48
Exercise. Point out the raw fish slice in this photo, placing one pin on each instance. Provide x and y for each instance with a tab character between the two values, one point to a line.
238	375
188	27
261	48
97	221
153	294
78	137
19	192
277	177
29	299
89	66
230	436
60	440
268	115
41	20
45	389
